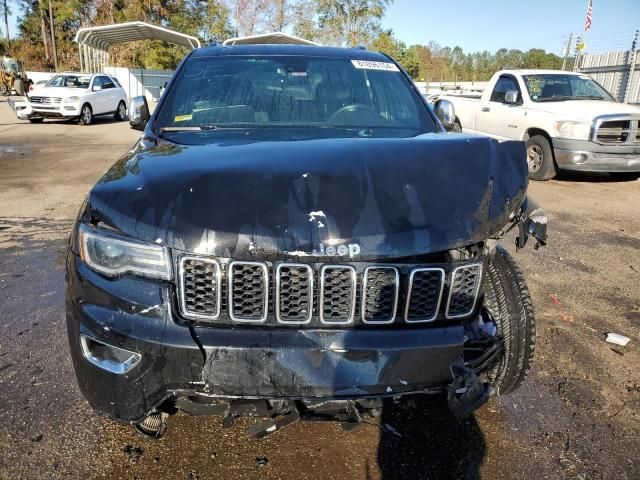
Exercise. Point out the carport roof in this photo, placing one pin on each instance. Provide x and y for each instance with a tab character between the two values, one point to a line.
106	35
270	39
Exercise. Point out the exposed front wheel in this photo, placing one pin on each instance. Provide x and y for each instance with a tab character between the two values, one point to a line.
86	115
121	111
508	302
540	158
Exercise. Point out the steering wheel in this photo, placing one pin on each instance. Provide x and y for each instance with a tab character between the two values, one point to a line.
354	107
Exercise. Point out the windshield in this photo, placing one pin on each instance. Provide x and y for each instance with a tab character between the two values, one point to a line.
70	81
11	66
558	87
293	92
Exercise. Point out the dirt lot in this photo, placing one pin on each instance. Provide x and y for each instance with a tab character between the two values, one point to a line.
578	415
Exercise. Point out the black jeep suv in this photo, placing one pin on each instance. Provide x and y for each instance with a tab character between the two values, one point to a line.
295	236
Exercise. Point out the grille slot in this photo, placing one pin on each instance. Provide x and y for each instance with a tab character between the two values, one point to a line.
247	285
294	293
45	100
337	303
200	292
380	287
425	294
465	283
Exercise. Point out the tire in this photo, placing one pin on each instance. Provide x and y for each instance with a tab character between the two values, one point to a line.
36	120
121	111
625	176
86	115
508	301
457	128
3	89
18	86
540	158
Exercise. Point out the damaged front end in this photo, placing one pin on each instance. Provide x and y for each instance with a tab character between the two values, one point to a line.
301	290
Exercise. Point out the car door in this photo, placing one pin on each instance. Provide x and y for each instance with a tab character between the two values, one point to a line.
97	100
110	93
498	118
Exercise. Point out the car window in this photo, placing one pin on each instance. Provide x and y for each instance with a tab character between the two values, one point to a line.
559	87
504	84
97	82
115	82
293	91
107	83
69	81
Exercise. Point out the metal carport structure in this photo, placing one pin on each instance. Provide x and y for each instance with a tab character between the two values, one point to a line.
94	42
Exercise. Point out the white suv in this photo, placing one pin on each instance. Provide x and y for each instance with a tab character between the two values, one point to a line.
76	95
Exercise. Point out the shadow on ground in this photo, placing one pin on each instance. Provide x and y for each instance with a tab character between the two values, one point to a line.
426	441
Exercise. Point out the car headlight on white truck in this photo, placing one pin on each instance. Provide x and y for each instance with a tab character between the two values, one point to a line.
573	130
114	256
71	99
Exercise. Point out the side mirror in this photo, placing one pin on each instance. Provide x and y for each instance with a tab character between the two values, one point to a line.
97	88
511	97
445	112
139	113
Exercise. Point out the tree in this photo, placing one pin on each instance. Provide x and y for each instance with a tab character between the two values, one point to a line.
351	22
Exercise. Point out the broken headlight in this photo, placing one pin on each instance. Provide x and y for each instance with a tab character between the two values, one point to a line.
115	256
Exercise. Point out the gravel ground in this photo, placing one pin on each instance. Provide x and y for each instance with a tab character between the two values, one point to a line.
577	416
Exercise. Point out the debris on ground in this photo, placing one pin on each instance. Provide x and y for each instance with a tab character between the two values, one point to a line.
134	453
554	298
261	461
618	339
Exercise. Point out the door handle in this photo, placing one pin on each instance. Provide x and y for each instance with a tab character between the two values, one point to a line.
486	109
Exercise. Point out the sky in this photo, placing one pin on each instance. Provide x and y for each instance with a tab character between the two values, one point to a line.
476	25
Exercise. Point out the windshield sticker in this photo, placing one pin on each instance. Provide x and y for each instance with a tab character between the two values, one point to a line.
369	65
183	118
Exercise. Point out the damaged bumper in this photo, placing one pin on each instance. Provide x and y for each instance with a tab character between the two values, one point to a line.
174	360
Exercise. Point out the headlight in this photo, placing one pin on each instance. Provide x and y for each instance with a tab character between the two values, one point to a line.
71	99
114	256
575	130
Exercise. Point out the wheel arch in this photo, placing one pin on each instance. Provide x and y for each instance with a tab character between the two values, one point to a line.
530	132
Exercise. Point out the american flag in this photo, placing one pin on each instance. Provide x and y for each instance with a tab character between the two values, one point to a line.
587	22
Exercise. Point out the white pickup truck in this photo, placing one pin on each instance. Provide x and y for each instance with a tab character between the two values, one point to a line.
567	120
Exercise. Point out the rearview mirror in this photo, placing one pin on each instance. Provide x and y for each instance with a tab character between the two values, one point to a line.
511	96
446	113
139	112
97	88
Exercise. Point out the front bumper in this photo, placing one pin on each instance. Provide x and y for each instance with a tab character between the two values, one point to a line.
237	362
586	156
31	110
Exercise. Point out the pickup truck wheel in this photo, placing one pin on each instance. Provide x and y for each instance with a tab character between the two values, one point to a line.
540	158
86	115
507	300
121	111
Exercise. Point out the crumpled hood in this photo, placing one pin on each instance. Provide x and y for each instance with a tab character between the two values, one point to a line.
367	198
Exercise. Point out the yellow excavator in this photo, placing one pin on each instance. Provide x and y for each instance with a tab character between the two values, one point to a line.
13	77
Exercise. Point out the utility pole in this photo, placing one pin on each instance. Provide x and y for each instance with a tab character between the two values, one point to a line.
576	60
632	60
6	25
53	37
566	52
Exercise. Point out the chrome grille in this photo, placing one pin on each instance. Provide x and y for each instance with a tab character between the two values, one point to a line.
424	296
248	291
380	287
294	293
45	100
465	283
200	295
211	289
337	294
616	130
